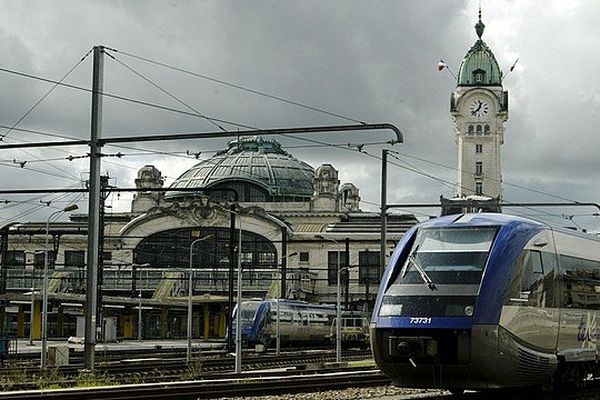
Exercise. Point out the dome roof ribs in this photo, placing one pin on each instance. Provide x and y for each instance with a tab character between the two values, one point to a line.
252	162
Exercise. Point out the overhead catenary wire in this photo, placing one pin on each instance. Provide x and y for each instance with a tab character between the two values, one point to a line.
490	178
57	83
239	87
177	99
122	98
34	106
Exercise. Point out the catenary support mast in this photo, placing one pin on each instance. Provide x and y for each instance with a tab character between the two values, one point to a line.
93	210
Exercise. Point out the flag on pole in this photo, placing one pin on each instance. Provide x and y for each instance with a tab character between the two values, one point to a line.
441	65
514	64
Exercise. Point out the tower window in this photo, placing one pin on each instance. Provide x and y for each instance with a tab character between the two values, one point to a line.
478	168
486	129
471	130
478	76
478	187
478	148
304	256
479	129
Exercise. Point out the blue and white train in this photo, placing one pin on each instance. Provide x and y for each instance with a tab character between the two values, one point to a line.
480	301
300	323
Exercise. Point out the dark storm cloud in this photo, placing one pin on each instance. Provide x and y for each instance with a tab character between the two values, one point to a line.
375	62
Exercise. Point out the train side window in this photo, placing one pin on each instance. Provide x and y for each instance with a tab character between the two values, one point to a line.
527	281
533	279
535	259
304	319
580	283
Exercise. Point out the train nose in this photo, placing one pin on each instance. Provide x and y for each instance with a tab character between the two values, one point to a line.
412	347
408	349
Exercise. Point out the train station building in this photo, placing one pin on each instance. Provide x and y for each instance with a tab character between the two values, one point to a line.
296	220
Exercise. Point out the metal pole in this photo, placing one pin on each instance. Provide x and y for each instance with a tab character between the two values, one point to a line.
134	268
383	249
338	325
230	288
32	306
45	294
45	286
217	134
278	340
140	311
338	312
189	310
93	211
278	329
238	323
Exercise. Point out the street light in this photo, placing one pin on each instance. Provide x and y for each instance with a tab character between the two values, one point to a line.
238	314
31	316
68	208
32	298
338	325
189	313
133	269
278	332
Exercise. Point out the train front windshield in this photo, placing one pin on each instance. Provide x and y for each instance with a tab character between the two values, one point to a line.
439	256
248	313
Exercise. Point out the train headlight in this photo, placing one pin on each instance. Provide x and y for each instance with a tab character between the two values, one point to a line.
469	311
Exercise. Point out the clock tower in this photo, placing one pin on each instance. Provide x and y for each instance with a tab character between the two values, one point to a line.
479	108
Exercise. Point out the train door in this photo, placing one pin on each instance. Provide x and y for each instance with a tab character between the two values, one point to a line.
530	311
579	293
302	328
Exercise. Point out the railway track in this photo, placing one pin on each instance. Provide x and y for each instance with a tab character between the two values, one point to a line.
158	370
244	385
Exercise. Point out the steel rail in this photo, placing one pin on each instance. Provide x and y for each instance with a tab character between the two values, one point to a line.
219	388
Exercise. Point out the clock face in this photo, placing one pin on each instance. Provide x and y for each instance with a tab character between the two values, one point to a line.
479	108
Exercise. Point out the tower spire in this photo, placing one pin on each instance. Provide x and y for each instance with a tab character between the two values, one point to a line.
479	26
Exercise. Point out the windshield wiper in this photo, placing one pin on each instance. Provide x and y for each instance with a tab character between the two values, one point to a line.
426	279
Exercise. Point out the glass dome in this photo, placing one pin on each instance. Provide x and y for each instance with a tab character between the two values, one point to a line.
258	169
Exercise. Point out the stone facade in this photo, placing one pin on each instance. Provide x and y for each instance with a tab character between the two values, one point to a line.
479	109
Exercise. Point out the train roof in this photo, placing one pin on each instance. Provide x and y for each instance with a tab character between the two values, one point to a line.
480	219
491	219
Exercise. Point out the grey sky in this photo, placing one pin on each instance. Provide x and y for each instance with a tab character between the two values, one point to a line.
373	61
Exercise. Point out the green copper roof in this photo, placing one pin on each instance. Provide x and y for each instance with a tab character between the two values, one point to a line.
479	67
253	159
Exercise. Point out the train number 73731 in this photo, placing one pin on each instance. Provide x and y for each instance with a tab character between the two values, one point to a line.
420	320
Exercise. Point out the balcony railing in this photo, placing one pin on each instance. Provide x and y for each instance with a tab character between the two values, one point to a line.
210	281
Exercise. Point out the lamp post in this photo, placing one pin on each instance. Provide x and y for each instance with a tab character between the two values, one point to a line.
133	269
238	319
32	298
238	314
278	330
68	208
31	317
338	325
189	311
140	311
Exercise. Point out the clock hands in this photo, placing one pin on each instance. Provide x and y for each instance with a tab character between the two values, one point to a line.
476	111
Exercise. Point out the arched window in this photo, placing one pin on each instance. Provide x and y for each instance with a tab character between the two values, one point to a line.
479	129
486	129
171	249
471	129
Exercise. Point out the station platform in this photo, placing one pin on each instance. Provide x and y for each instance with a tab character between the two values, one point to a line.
23	346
